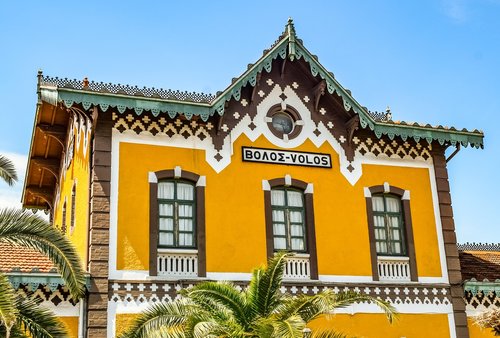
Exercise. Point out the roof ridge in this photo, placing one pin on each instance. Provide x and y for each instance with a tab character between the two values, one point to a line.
478	246
113	88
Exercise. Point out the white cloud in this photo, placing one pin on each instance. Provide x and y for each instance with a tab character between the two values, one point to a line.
455	9
11	196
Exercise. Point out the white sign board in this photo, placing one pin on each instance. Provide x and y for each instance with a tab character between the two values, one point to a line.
286	157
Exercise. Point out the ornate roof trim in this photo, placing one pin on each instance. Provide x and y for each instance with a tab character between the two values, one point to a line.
204	105
479	247
33	279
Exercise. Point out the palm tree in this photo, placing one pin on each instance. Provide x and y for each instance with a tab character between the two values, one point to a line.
220	309
20	316
489	319
7	170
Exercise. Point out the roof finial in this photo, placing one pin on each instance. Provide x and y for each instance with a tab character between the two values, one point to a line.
388	114
290	31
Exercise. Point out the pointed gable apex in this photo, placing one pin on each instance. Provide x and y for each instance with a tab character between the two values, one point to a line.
290	47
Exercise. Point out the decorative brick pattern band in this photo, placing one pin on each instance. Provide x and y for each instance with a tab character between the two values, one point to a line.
154	291
99	228
450	242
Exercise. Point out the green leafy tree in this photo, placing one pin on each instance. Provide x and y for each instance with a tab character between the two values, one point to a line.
221	309
20	316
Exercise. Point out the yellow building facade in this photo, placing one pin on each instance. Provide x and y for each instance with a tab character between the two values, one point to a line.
161	189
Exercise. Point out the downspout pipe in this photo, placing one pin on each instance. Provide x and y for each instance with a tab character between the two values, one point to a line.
453	153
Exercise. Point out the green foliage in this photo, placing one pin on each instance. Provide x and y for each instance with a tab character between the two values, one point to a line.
20	227
19	316
221	310
7	171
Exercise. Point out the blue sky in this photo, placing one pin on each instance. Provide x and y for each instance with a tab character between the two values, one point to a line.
433	61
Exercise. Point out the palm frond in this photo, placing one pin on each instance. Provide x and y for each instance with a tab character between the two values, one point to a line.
8	308
7	170
38	321
23	228
264	296
327	301
289	328
223	294
162	320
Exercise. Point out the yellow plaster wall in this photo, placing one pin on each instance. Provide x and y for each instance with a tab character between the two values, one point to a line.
476	331
77	172
71	324
235	209
364	325
123	321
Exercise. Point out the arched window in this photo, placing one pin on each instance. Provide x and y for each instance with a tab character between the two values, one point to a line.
288	213
289	216
177	224
63	222
176	212
73	209
388	224
391	233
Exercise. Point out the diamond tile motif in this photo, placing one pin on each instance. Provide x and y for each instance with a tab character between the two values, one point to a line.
283	96
316	132
218	157
252	126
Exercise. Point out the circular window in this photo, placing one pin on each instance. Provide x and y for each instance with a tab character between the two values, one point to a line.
282	122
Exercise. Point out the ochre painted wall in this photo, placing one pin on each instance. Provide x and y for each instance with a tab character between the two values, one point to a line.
71	324
476	331
371	325
123	321
235	209
76	173
364	325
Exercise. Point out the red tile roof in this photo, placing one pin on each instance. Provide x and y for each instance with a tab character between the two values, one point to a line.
480	265
21	259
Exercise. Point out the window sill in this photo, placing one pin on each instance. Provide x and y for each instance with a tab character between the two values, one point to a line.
179	251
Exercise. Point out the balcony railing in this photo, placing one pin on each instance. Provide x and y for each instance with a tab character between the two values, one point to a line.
297	267
177	263
395	269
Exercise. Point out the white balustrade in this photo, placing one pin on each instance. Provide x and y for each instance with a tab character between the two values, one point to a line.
395	269
297	267
177	263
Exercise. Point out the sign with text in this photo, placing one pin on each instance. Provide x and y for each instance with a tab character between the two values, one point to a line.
287	157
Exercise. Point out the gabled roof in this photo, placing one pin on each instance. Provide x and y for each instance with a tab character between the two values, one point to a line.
288	46
20	259
480	265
